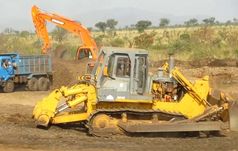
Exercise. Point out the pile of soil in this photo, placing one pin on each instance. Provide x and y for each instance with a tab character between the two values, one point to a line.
65	72
65	68
199	63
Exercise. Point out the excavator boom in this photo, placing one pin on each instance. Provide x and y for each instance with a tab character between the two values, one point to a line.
40	18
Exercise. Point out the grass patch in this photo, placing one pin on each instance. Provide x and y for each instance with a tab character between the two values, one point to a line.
191	43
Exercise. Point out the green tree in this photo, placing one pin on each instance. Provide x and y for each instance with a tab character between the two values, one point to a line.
235	20
191	22
164	22
217	22
142	25
101	26
10	31
24	33
7	30
209	21
59	34
132	26
228	22
111	23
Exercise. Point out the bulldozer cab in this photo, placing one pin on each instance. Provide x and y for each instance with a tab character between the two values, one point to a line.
126	74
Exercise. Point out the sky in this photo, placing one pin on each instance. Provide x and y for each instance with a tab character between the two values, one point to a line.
16	13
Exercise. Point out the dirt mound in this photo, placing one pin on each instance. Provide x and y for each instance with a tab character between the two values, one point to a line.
179	63
60	52
65	72
214	63
223	63
199	63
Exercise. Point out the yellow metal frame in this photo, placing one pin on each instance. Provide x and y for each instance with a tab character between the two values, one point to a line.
45	110
193	104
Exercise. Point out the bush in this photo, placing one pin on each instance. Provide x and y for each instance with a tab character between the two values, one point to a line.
185	37
187	43
199	54
99	40
118	42
145	40
182	44
236	52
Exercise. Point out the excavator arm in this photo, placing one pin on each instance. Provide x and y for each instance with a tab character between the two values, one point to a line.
41	30
40	18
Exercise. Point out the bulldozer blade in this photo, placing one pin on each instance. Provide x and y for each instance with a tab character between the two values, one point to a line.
172	127
233	112
45	109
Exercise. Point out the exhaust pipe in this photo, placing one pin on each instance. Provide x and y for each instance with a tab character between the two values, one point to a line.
171	65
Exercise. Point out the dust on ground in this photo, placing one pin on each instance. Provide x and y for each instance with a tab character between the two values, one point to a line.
18	131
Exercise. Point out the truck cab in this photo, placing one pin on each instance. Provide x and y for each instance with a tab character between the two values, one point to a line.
122	74
7	70
8	62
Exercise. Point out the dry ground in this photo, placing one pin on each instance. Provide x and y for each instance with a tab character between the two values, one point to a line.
18	132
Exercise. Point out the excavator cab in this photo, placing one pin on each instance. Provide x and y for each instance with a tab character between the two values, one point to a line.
126	76
84	53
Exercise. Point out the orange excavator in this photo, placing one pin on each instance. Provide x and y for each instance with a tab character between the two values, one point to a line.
87	49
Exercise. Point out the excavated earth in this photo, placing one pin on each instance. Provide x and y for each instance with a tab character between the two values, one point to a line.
18	131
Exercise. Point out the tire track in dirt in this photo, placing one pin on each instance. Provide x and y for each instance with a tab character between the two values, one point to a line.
18	131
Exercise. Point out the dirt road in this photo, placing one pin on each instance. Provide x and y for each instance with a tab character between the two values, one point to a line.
18	132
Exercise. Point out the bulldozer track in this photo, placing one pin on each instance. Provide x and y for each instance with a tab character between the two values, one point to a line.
179	119
114	112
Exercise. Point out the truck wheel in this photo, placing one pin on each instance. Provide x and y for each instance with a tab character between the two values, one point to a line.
32	84
43	84
9	86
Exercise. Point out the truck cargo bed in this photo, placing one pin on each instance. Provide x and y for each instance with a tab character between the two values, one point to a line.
34	64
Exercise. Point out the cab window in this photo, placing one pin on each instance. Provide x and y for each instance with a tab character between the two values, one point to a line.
123	67
4	63
84	53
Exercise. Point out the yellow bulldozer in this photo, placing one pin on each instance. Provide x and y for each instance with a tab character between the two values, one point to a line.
120	96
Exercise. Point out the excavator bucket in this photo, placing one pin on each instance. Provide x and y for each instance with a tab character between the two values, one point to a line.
233	112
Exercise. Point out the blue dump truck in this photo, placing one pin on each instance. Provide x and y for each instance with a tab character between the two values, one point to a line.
33	72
